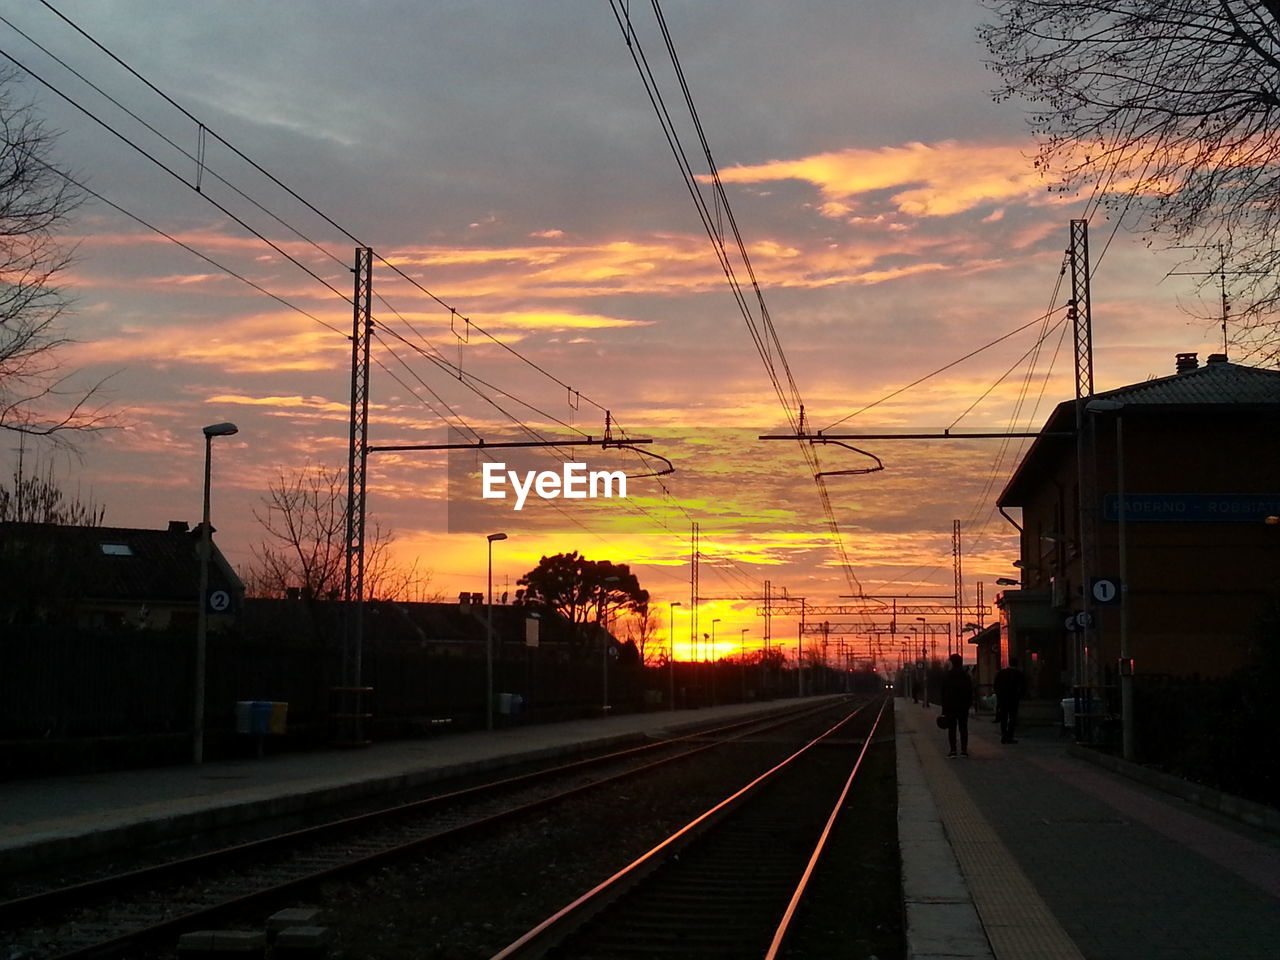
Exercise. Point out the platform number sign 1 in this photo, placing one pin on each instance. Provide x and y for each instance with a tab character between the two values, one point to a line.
1105	590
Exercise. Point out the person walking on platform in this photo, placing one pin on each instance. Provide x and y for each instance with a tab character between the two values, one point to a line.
957	698
1009	684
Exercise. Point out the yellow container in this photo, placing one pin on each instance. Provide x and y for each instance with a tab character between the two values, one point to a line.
279	716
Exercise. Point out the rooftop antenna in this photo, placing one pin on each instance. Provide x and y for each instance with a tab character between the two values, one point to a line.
1221	274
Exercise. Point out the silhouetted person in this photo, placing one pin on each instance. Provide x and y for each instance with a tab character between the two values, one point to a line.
957	698
1009	685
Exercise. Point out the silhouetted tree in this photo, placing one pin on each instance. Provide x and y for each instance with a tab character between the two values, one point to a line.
585	592
36	396
641	628
305	517
39	498
35	579
1169	108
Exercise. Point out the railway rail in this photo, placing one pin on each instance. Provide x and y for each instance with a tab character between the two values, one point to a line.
126	911
730	883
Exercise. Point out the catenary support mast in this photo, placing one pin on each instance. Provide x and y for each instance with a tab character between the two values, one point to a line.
351	708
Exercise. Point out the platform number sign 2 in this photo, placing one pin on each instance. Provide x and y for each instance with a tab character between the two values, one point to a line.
219	601
1105	590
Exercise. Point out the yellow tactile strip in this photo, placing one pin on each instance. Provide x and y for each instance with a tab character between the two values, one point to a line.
1017	921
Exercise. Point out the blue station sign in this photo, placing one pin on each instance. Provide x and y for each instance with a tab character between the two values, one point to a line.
1192	507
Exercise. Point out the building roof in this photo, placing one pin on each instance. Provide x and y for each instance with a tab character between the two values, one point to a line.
119	563
1218	387
1217	382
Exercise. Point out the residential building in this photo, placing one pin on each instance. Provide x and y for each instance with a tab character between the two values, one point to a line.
110	577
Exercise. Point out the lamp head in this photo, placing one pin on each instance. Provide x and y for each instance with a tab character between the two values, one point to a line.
221	430
497	536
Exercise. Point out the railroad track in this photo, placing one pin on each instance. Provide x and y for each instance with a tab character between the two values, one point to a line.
730	883
118	914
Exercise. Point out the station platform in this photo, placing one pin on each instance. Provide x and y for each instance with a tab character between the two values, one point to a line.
1028	850
1018	851
53	819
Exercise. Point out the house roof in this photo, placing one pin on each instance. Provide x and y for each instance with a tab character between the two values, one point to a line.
1219	388
121	563
1217	382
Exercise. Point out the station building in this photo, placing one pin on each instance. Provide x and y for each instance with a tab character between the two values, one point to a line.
1196	456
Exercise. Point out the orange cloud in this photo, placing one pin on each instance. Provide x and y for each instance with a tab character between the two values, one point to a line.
256	344
662	265
929	180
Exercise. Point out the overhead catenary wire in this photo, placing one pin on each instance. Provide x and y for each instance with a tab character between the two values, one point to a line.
1014	420
470	380
177	176
80	185
762	332
206	131
942	369
198	159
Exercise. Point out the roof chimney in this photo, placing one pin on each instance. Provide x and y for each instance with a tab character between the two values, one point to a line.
1186	362
178	526
1217	358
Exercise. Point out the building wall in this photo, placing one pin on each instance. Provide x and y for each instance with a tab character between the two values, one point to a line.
1194	589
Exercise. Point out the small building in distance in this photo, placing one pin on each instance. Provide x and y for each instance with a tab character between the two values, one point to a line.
1197	455
110	577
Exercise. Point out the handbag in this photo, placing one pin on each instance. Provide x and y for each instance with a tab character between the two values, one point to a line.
941	721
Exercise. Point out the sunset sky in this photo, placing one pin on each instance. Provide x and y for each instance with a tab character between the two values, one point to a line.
505	156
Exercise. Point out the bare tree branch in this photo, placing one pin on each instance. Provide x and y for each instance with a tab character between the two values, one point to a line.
1166	108
35	201
305	519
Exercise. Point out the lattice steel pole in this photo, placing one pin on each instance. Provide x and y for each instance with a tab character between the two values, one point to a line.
357	461
1082	324
1082	317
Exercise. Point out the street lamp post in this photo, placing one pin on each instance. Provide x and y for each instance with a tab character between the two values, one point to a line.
488	646
1128	743
711	662
604	651
671	653
202	618
800	655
